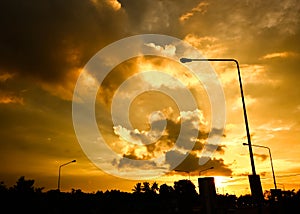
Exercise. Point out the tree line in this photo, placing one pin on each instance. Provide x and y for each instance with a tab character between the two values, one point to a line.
182	197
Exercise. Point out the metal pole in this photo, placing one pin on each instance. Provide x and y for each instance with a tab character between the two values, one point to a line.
271	160
246	119
184	60
274	179
58	182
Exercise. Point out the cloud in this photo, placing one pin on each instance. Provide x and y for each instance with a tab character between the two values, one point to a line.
284	54
127	163
139	144
114	4
49	41
261	157
5	76
275	126
200	8
193	126
7	98
282	16
168	50
140	137
210	46
148	144
150	16
191	164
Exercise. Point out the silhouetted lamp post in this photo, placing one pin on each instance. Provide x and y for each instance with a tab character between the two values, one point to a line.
205	170
274	179
254	179
58	183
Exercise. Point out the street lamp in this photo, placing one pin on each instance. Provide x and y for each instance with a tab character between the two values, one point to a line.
185	60
58	183
254	179
245	144
205	170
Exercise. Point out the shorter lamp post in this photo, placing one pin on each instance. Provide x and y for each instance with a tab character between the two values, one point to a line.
58	183
274	179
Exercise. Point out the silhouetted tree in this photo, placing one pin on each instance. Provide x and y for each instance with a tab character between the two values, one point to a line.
3	188
154	187
168	199
185	187
187	195
23	186
146	187
165	190
137	189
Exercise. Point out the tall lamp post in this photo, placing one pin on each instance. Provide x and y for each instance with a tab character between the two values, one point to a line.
254	179
274	179
58	183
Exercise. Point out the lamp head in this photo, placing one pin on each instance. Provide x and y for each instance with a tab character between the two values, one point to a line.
245	144
73	160
184	60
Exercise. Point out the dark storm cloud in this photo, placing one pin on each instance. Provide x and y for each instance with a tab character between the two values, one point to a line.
186	140
28	127
160	16
115	78
132	161
191	163
46	39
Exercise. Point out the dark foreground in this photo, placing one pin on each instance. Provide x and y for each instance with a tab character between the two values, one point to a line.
181	198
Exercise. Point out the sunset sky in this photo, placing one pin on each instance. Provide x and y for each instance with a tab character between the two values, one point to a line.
45	46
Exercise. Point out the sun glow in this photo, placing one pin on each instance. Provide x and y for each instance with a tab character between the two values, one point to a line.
221	181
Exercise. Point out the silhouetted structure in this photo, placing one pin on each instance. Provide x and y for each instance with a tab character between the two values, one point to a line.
208	194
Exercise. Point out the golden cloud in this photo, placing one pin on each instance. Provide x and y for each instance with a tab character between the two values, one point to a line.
7	99
200	8
284	54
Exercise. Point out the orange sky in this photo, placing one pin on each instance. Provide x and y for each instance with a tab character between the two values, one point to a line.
45	46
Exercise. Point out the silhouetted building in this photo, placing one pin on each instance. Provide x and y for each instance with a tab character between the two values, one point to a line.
208	194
